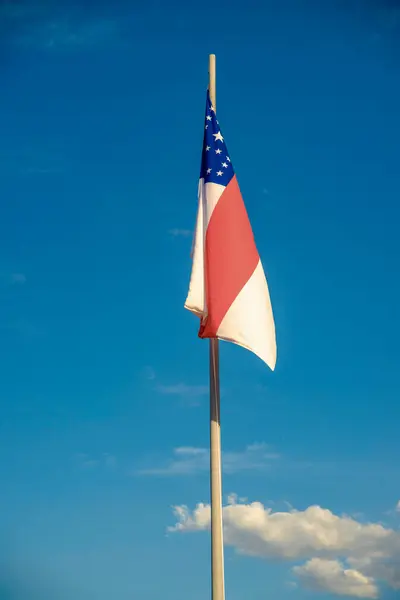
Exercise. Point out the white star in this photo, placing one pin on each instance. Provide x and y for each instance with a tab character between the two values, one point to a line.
209	171
207	148
208	118
206	127
228	159
218	137
212	108
225	165
219	173
218	151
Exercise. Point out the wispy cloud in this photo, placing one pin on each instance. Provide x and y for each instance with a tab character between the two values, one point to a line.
188	460
149	373
11	279
189	395
17	278
86	461
183	390
41	171
180	232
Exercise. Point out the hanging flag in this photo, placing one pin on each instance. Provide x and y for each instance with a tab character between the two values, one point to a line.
228	289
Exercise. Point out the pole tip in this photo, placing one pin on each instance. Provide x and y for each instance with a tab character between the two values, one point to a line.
211	62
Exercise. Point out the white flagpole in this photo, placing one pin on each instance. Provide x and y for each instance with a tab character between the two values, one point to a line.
217	543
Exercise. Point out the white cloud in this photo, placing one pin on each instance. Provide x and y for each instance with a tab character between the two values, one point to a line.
256	530
387	570
398	506
371	550
330	575
190	460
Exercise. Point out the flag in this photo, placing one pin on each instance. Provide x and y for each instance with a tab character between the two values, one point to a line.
228	289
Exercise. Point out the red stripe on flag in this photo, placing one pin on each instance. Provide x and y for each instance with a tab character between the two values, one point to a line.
230	256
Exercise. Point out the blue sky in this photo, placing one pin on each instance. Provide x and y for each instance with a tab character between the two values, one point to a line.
103	387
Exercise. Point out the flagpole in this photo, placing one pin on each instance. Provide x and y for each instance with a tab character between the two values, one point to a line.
217	543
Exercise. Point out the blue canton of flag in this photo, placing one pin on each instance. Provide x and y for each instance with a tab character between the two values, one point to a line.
216	166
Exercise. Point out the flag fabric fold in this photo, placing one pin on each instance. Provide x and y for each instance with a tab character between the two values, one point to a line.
228	289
